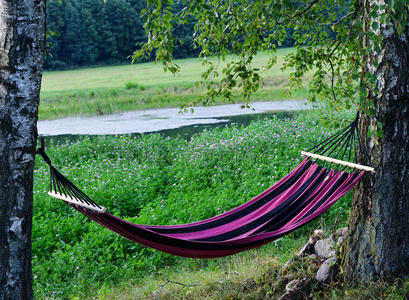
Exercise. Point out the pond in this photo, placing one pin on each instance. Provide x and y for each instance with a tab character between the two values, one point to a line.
188	131
154	120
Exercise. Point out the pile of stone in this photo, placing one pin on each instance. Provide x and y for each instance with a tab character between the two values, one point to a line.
323	256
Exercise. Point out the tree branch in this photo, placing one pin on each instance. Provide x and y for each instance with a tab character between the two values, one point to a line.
344	17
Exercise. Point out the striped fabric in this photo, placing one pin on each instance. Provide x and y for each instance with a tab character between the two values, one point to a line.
301	196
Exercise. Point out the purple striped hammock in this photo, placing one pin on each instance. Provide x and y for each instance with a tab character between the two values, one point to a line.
298	198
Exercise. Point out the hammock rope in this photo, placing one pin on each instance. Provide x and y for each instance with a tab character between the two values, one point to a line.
301	196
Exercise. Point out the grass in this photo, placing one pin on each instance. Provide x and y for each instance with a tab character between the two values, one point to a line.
224	279
255	275
105	90
157	180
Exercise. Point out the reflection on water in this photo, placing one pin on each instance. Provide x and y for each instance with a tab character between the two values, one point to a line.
188	131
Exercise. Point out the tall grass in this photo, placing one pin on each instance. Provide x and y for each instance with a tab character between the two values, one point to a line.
104	90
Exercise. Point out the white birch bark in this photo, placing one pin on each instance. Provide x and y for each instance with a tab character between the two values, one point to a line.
22	45
378	242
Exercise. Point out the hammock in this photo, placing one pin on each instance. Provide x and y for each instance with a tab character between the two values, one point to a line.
301	196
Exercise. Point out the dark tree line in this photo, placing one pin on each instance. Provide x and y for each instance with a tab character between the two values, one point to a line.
98	32
92	32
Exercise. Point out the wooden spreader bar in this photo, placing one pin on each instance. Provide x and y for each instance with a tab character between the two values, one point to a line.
339	162
75	201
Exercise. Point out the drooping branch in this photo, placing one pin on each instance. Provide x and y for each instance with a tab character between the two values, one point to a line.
342	19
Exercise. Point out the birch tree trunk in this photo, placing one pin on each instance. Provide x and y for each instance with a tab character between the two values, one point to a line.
378	242
22	45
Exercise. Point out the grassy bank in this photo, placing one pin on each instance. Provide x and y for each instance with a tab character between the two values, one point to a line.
157	180
104	90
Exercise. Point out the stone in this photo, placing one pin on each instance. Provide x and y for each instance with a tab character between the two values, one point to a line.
313	239
340	241
308	248
342	231
319	232
287	278
325	248
317	235
313	256
327	271
295	288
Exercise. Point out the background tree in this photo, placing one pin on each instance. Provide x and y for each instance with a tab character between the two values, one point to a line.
90	32
22	45
358	52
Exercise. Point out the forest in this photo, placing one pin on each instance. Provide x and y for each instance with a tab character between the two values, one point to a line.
97	32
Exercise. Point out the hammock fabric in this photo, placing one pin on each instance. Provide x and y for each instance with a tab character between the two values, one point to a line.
301	196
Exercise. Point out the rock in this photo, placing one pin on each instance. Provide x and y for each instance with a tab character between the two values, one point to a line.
308	248
327	271
340	240
317	235
313	256
296	288
325	248
319	232
292	285
342	231
287	278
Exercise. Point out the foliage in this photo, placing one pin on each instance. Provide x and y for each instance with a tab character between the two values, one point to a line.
91	32
332	38
157	180
97	32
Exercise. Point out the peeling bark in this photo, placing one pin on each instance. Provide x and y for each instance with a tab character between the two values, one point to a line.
22	46
377	246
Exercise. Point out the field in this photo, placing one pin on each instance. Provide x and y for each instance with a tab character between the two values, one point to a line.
104	90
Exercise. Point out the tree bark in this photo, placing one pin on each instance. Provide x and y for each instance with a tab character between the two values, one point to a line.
378	243
22	46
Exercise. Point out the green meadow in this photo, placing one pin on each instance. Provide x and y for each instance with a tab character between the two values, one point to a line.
152	179
105	90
